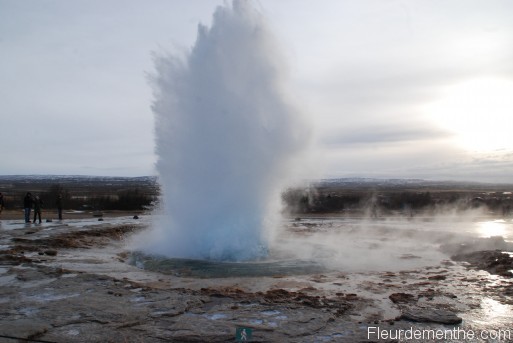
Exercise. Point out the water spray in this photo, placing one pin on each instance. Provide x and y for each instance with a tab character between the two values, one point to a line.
226	135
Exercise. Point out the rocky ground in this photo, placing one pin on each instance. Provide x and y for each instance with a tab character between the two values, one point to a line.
74	284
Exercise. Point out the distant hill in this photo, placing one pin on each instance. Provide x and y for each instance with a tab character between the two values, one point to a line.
80	181
104	192
74	178
398	184
387	196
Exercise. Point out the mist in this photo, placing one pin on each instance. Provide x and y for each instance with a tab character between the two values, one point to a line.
230	140
227	139
387	243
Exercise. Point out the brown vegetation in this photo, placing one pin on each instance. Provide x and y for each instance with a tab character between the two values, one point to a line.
389	199
82	193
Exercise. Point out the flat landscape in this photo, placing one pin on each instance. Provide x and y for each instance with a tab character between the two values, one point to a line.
358	277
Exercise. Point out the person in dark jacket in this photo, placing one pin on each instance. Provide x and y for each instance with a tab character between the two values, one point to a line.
58	203
27	206
38	203
2	204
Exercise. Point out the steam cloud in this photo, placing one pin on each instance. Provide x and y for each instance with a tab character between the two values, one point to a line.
226	139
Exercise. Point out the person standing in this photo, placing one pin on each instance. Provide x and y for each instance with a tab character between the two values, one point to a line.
58	203
2	204
38	203
27	206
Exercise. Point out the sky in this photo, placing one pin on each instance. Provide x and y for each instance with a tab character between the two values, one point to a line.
392	89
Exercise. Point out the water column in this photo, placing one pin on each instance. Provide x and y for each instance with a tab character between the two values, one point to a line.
226	139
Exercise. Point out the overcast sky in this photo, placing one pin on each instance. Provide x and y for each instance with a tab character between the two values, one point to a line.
393	89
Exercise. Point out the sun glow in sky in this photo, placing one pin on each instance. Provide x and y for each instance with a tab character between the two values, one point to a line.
478	113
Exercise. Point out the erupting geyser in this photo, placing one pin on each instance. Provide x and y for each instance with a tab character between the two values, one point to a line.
226	136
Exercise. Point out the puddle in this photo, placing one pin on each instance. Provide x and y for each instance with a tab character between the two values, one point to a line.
330	338
7	280
256	321
138	299
494	312
44	297
5	300
34	284
73	223
270	313
216	316
73	332
29	311
214	269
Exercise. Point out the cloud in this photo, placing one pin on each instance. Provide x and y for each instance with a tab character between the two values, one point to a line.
381	134
73	78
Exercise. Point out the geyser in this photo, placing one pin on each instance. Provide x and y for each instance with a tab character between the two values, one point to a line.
226	139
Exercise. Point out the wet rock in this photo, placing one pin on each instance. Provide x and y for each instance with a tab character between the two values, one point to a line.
50	252
409	257
337	305
477	245
74	239
447	263
351	297
428	315
23	329
67	305
423	283
167	312
401	298
300	298
493	261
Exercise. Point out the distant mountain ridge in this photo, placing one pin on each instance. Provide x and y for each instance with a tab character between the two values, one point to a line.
75	177
404	183
329	182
